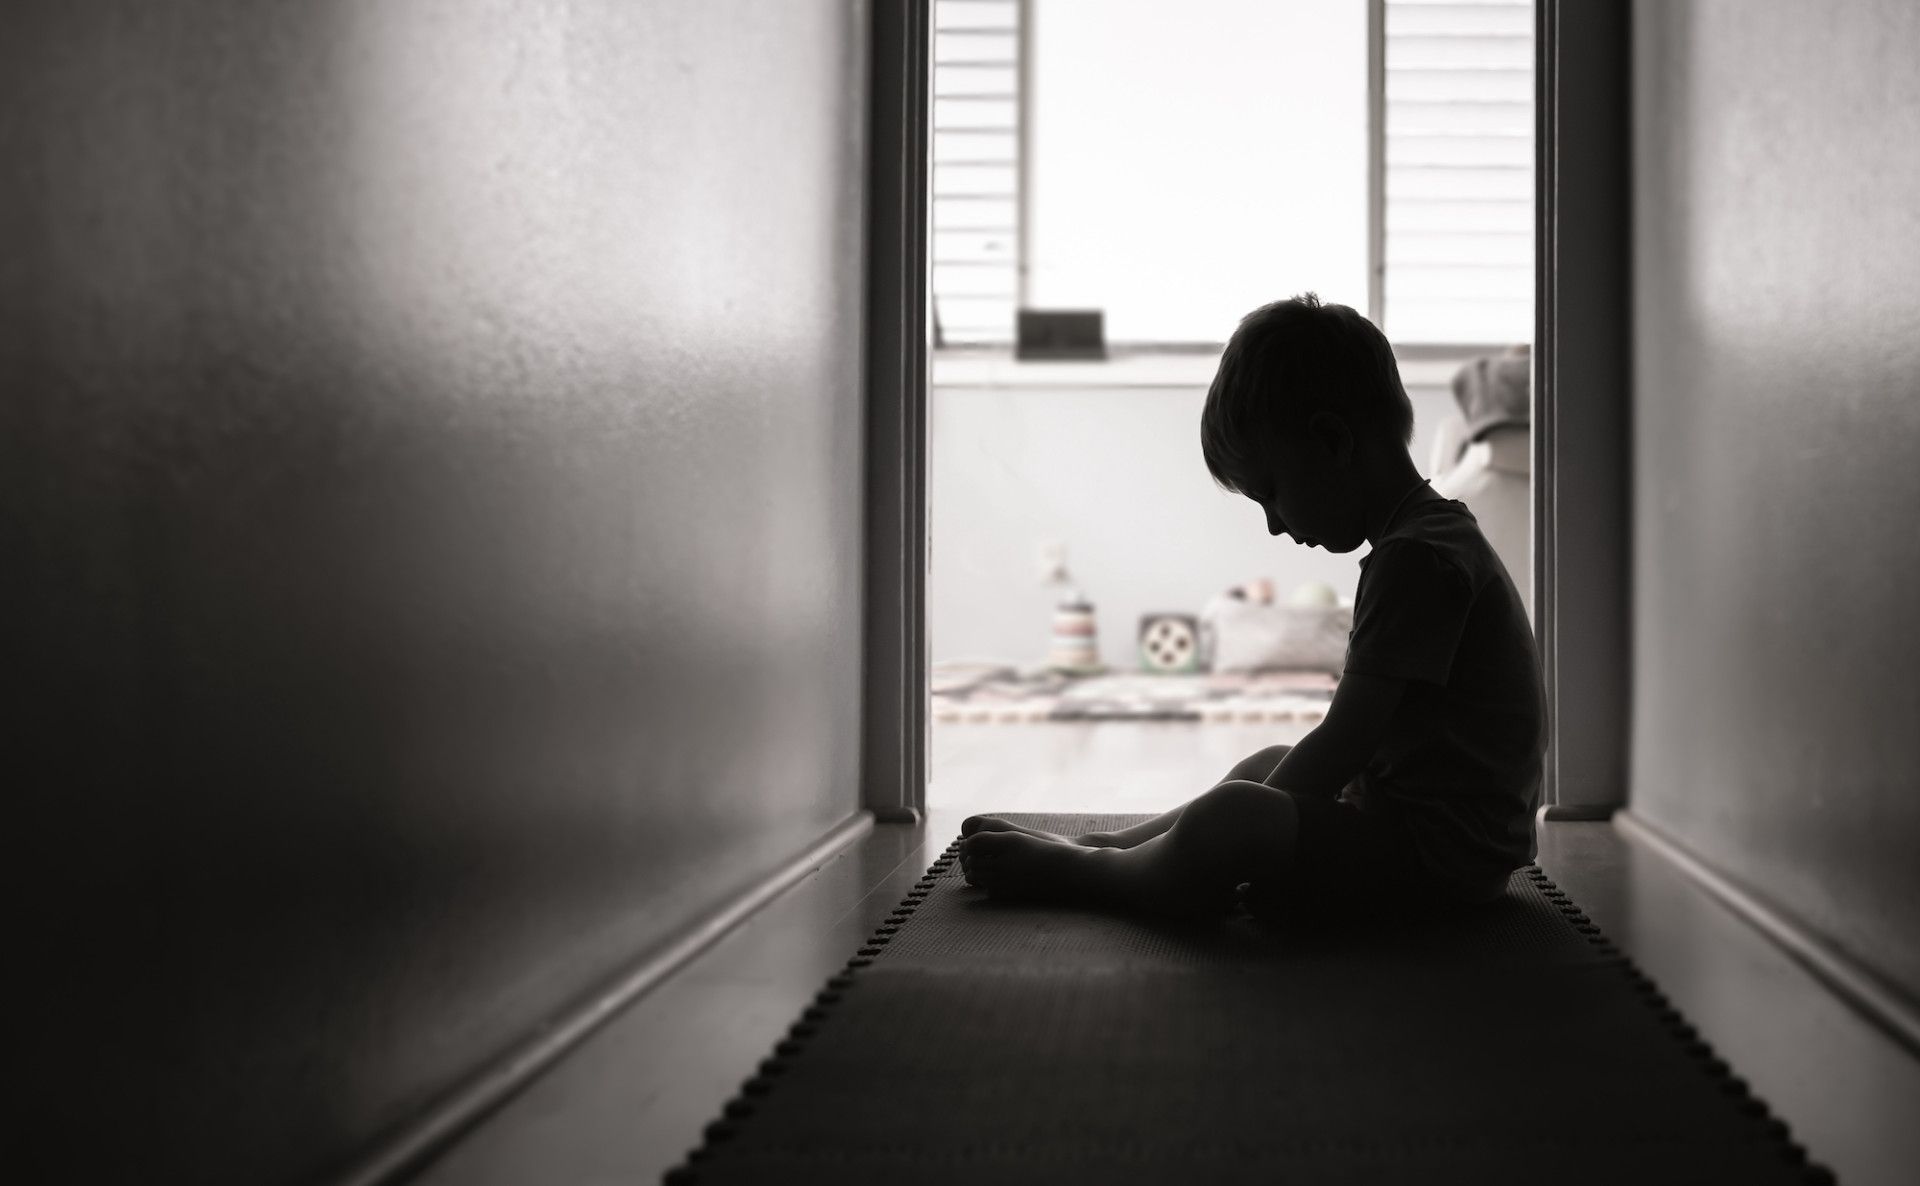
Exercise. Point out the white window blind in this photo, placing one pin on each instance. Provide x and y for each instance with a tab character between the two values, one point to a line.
976	169
1456	193
1458	248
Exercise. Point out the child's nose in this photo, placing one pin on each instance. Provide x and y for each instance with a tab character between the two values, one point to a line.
1275	524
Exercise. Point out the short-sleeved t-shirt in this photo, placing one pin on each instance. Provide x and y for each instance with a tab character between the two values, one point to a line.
1461	764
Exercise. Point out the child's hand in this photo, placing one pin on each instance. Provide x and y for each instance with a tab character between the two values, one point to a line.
1254	900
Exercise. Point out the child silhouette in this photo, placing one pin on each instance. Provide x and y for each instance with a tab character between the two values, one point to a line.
1419	788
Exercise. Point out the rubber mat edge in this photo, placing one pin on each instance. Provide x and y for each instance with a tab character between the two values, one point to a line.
1683	1032
762	1082
766	1076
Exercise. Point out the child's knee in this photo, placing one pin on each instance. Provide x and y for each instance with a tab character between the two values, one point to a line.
1243	814
1259	766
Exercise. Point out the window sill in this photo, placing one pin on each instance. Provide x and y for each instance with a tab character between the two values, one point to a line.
1123	368
1142	368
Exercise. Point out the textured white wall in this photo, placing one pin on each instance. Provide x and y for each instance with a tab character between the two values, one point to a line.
1776	663
429	464
1116	475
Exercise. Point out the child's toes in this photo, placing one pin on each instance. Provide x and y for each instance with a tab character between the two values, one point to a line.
976	857
967	863
981	823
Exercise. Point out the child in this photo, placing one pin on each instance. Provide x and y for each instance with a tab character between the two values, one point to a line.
1420	785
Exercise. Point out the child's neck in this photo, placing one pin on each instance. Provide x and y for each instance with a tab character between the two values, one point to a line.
1392	484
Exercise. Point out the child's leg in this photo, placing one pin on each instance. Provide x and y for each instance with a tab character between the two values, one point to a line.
1232	834
993	823
1256	767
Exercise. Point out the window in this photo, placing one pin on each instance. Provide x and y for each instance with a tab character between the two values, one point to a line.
1457	256
976	169
1176	164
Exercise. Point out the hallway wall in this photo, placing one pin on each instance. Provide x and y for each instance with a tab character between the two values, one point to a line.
429	460
1776	413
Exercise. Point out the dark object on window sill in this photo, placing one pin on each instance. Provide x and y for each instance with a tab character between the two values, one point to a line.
1062	334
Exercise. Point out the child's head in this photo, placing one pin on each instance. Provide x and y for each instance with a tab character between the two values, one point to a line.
1307	395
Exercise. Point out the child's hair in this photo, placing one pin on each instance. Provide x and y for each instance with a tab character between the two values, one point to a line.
1288	360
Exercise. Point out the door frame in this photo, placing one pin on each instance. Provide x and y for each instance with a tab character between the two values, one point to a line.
1583	372
1582	512
894	708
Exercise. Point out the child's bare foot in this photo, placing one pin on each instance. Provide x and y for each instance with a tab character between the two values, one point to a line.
975	825
993	823
1014	863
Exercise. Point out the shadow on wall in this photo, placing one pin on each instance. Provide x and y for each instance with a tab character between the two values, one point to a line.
387	641
1774	417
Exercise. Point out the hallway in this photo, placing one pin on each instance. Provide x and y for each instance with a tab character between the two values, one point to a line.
631	1102
463	510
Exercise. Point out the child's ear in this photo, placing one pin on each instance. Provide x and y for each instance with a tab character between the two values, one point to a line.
1333	435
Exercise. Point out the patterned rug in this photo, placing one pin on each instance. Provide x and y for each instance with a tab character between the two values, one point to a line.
984	694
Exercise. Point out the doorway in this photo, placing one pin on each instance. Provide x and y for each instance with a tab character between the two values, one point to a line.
1107	630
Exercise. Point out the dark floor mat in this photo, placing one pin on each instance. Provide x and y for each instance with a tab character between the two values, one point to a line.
979	1041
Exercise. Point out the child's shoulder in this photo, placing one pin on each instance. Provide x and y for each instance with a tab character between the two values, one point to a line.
1440	539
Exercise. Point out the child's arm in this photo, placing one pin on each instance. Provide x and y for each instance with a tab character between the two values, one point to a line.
1339	747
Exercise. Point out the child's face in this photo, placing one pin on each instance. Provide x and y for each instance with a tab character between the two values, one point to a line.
1307	491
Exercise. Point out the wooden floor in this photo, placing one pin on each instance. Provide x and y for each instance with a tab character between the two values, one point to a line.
1144	766
630	1102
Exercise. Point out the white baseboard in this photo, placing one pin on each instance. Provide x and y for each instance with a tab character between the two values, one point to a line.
1886	1006
470	1103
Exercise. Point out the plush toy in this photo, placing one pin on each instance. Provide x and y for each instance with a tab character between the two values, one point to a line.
1259	591
1313	595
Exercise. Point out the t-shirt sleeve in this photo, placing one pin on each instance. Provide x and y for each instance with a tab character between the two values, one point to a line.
1409	615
